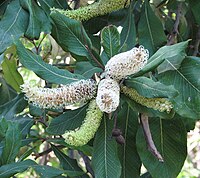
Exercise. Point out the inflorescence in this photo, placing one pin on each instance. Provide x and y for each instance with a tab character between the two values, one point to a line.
61	97
87	130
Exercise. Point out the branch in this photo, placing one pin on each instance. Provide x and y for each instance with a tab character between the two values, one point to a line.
197	43
87	160
173	36
148	137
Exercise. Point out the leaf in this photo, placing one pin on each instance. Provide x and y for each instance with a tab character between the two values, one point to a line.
6	92
86	69
38	20
13	24
46	71
105	161
3	7
150	30
11	108
170	138
12	144
194	6
128	34
186	81
11	75
151	89
128	154
67	163
47	171
70	120
71	36
9	170
110	40
3	128
162	54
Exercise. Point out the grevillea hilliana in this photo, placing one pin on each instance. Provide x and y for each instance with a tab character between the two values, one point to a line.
87	130
96	9
126	63
160	104
108	95
61	97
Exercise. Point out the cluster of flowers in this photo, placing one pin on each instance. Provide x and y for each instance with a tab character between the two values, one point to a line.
80	91
85	133
117	68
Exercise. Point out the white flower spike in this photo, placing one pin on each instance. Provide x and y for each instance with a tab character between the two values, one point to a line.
126	63
108	95
56	98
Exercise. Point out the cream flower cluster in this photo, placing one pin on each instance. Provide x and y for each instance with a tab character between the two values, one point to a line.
126	63
108	95
160	104
86	132
75	92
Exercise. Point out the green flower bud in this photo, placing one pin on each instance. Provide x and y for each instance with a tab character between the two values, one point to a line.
66	95
86	132
96	9
160	104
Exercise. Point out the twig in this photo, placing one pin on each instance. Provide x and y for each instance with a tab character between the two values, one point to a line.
87	160
173	35
197	43
150	143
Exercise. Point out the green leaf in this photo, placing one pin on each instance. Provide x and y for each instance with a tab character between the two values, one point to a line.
12	144
11	108
86	69
46	71
71	36
162	54
151	89
128	34
128	154
195	6
170	138
38	20
110	40
105	161
7	93
186	81
11	75
47	171
67	163
3	128
150	112
150	29
3	7
68	121
13	24
9	170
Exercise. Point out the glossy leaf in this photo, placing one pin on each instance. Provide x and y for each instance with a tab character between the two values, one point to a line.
11	75
38	20
110	40
86	69
151	89
46	71
7	171
10	109
67	163
13	24
71	36
12	144
128	154
170	139
128	34
68	121
186	81
105	161
150	29
164	53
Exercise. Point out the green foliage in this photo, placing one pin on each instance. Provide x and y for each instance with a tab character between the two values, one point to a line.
37	39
